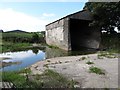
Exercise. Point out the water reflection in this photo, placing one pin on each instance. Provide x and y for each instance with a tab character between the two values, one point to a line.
26	58
5	64
82	52
31	56
35	51
55	52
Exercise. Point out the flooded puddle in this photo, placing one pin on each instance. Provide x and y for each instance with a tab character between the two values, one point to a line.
21	59
17	60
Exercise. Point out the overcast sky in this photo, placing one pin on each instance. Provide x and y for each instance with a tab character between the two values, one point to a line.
33	16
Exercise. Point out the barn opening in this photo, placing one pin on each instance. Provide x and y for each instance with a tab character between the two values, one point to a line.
79	33
73	32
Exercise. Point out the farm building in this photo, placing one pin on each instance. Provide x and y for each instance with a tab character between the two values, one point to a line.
73	32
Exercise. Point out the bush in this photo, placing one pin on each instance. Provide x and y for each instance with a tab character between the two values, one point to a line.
111	42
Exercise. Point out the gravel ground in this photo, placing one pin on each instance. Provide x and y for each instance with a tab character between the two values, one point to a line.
75	67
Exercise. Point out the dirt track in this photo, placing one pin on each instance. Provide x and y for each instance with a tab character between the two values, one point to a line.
75	67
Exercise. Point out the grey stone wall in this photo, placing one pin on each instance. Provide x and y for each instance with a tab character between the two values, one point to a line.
57	34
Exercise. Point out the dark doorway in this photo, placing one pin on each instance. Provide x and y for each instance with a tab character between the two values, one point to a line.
79	33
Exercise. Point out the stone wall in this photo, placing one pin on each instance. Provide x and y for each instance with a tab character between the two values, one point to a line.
57	34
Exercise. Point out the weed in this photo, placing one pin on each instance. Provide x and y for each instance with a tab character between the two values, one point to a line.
45	65
96	70
83	58
72	83
89	62
100	57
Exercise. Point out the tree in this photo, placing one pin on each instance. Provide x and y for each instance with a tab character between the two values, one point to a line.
106	15
35	38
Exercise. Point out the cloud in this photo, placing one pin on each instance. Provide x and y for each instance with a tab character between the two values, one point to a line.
11	20
19	55
48	14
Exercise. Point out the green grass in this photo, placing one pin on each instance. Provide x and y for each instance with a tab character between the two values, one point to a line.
52	46
52	79
96	70
18	80
106	54
89	62
26	70
9	46
49	79
18	34
17	40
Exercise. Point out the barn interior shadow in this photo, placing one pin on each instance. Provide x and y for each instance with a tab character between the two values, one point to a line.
79	33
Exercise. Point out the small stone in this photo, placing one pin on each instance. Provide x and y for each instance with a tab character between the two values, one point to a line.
76	86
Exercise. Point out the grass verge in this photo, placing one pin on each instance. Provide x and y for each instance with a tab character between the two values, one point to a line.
103	54
49	79
96	70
